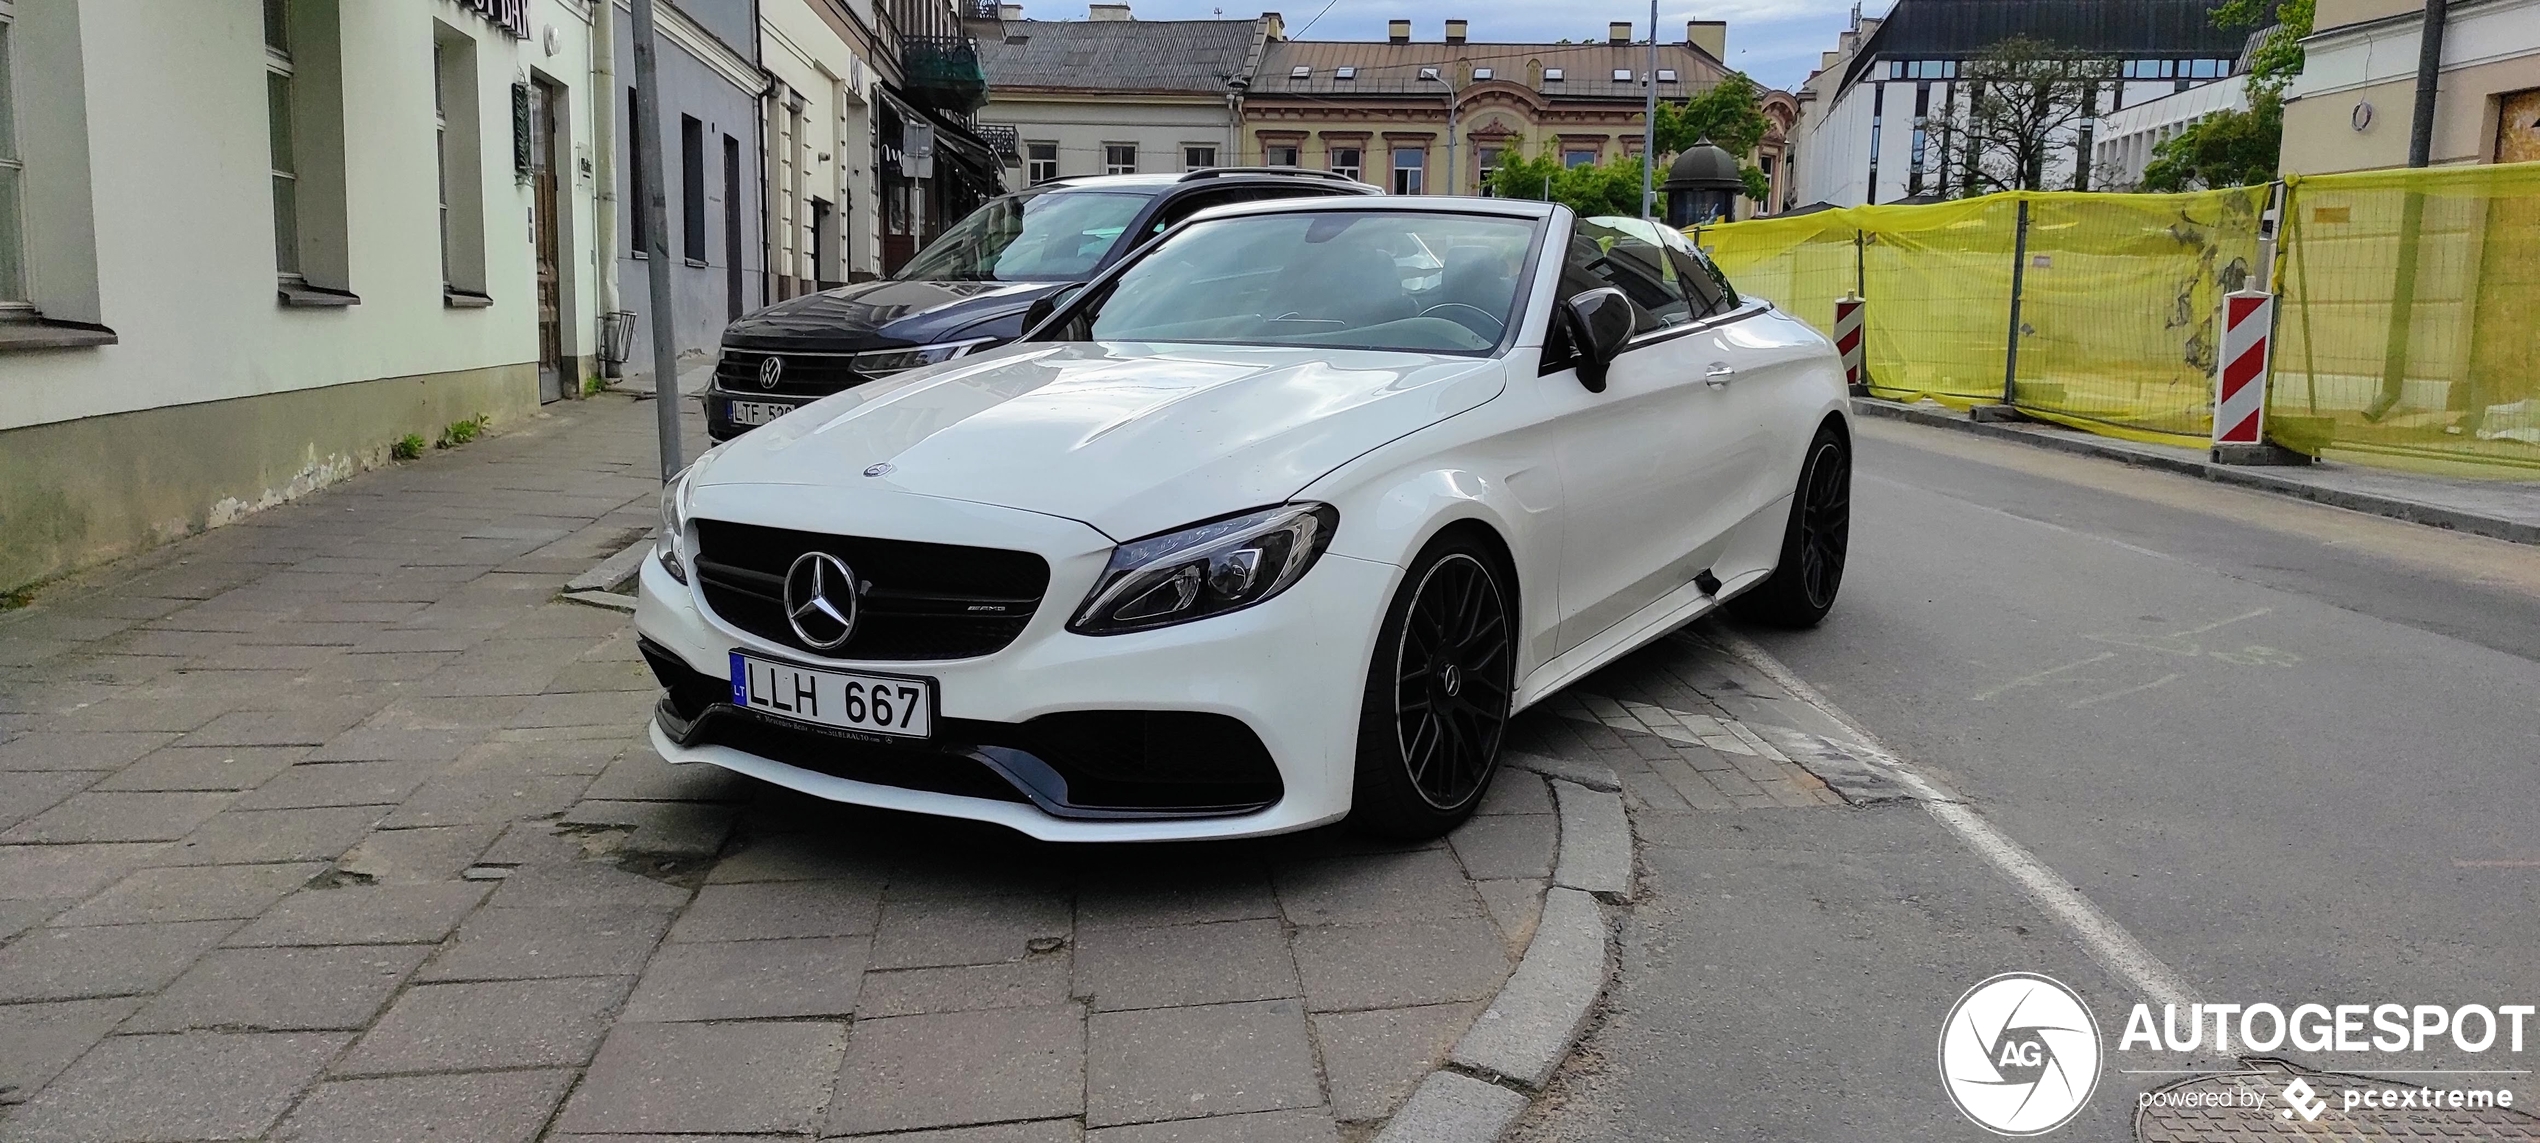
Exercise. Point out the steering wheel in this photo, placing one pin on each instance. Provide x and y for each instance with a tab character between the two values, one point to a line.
1498	326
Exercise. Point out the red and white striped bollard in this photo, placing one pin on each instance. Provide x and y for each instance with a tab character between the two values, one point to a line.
1847	341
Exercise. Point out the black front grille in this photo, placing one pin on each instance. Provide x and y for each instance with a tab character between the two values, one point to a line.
804	374
918	601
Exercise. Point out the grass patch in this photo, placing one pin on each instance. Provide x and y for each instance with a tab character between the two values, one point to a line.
13	600
592	385
461	432
408	447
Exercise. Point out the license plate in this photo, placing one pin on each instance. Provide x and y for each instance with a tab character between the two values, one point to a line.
875	704
754	412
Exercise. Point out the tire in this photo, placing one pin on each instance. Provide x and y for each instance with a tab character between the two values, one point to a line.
1815	543
1439	684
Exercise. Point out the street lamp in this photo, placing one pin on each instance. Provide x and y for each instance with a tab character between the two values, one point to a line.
1438	75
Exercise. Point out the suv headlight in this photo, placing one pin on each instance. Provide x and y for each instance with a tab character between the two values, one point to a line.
669	546
884	362
1206	569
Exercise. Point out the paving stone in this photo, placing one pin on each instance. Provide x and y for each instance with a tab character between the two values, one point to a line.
959	1068
95	817
1185	964
18	916
192	893
486	796
493	1024
1514	906
1514	791
499	1107
768	909
974	930
38	1040
1449	1107
418	856
86	750
241	836
281	989
1507	845
204	768
196	1085
396	744
365	915
1374	1058
523	944
1184	1063
796	857
596	708
583	884
1037	1131
26	793
1424	884
765	1076
745	980
571	756
1304	1126
49	871
310	725
1401	964
429	712
336	784
1167	896
1037	980
666	829
640	775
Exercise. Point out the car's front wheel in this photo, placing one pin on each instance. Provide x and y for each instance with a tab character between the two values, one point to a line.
1815	542
1438	693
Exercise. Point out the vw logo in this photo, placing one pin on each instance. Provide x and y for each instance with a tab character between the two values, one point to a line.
2019	1054
770	371
820	600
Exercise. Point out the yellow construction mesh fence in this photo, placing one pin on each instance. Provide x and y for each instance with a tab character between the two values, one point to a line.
2405	323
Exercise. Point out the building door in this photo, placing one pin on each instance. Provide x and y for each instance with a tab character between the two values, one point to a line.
545	100
732	225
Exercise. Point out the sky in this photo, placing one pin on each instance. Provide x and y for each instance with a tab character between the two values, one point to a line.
1774	41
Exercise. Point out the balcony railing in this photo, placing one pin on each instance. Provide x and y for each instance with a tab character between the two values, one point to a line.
942	72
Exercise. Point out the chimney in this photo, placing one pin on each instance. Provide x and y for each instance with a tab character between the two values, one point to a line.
1107	12
1618	32
1009	11
1455	30
1398	31
1709	35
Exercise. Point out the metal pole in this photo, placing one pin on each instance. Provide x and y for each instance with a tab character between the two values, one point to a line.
2429	76
652	223
1649	124
2019	268
604	105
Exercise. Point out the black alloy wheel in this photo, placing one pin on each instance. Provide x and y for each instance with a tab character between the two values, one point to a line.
1438	696
1815	543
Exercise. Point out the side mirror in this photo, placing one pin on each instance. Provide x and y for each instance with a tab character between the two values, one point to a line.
1045	305
1600	322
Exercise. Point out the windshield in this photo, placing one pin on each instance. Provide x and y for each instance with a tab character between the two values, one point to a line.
1430	283
1036	236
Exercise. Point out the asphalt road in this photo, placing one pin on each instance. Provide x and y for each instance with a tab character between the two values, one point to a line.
2293	751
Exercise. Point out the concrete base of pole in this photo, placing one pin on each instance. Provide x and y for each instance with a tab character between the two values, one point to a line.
2269	454
1995	414
1859	390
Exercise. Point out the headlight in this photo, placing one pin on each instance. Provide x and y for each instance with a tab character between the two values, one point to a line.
674	526
884	362
1205	569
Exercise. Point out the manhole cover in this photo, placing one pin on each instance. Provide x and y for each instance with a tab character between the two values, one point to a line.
2259	1105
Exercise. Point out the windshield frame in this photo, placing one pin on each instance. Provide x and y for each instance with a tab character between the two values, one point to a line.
1098	288
1146	201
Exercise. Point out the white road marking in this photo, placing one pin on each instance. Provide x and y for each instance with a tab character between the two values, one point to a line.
2042	676
2100	935
2094	700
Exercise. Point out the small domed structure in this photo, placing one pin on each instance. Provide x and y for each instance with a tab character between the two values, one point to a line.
1702	185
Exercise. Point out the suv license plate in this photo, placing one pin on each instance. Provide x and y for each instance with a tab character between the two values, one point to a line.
754	412
874	704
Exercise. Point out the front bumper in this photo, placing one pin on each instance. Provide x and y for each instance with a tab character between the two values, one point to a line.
1290	671
719	423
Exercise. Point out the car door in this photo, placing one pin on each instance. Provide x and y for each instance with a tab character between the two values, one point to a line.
1656	468
1762	397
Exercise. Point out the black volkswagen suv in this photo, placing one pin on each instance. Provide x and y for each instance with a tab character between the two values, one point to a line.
970	287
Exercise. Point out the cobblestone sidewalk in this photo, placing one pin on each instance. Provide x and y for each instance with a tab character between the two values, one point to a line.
334	825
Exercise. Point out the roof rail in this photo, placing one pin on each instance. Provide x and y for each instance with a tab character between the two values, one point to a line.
1307	172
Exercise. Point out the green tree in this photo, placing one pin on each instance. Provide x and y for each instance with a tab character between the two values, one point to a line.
2026	104
1730	115
1610	187
2278	58
2239	148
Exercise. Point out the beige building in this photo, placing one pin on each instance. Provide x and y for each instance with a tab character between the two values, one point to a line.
1435	116
2352	106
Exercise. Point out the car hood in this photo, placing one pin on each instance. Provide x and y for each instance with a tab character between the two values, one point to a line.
876	314
1131	438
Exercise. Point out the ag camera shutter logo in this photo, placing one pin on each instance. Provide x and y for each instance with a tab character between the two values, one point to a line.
2019	1054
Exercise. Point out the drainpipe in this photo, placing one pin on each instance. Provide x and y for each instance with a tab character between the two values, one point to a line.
1649	128
604	163
2429	75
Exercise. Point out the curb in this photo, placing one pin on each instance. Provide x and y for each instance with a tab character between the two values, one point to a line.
1512	1050
2431	515
603	585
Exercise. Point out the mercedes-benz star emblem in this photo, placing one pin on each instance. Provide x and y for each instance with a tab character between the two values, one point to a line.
883	469
770	371
820	600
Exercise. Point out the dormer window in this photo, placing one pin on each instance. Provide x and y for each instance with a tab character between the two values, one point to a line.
1300	71
1481	73
1344	73
1622	75
1429	73
1552	75
1666	75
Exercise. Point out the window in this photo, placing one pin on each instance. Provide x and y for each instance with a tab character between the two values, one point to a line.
692	188
1300	71
1666	75
1553	75
1485	165
1624	253
1410	164
1483	73
1344	73
459	163
441	147
1119	158
280	138
1040	161
1578	157
1280	156
1347	161
13	283
1429	74
1198	156
1622	75
1050	235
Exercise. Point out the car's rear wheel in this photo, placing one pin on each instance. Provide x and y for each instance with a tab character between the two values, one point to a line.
1814	544
1438	691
